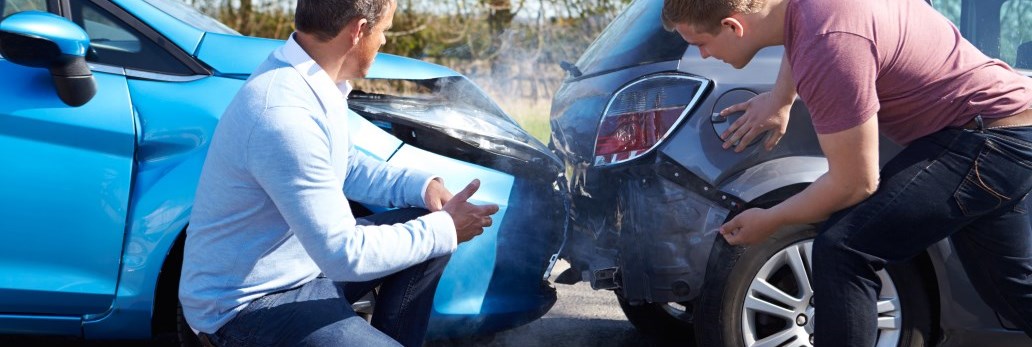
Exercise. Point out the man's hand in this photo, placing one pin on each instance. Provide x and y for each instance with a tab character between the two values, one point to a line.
753	226
470	220
762	113
436	195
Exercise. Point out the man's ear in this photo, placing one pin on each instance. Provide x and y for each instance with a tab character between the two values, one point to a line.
734	24
356	29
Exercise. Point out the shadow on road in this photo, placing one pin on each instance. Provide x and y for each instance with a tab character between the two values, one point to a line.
557	331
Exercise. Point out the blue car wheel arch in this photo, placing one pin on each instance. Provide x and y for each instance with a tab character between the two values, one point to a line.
162	139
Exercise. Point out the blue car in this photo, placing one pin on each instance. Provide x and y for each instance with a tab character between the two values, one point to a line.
107	108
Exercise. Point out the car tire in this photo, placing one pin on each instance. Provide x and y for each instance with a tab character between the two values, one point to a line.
666	321
721	318
187	338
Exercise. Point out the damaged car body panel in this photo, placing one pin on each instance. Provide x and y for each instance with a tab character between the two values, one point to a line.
698	180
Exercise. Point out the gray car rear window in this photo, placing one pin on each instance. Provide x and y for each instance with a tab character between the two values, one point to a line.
636	37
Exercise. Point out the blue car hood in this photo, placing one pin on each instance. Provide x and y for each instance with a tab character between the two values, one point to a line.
238	56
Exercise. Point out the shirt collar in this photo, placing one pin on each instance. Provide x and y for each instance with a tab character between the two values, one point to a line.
331	95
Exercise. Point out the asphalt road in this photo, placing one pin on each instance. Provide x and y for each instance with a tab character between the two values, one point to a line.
581	317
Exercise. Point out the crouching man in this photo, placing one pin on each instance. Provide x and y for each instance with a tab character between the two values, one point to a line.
274	255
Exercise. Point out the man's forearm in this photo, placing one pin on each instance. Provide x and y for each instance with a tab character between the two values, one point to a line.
372	180
784	90
818	201
853	175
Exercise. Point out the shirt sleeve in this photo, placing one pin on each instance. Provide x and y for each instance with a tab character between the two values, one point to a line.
835	75
288	153
377	182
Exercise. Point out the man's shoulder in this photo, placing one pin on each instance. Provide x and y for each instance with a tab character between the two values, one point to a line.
830	7
817	17
275	84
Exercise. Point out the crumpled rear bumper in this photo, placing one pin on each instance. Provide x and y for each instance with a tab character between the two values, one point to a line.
647	231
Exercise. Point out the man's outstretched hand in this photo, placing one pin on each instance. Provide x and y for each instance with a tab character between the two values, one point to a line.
763	113
470	220
751	227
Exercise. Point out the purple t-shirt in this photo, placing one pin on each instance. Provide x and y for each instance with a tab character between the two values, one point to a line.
899	59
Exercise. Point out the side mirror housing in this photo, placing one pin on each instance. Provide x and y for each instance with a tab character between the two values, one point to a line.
45	40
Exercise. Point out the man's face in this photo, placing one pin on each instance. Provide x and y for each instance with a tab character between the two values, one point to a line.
360	58
728	45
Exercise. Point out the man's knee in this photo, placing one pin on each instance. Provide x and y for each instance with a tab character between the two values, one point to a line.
401	215
411	213
833	253
829	245
436	266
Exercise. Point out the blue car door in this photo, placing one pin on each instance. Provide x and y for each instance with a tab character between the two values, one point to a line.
64	190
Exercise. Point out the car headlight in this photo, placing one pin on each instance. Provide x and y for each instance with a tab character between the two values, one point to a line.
643	113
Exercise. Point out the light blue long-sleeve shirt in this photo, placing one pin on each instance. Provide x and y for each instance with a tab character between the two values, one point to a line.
271	212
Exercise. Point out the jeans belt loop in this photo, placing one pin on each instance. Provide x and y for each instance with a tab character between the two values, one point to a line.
979	123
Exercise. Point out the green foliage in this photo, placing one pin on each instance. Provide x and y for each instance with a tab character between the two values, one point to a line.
1016	28
268	18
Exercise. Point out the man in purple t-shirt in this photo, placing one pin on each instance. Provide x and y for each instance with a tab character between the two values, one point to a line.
900	69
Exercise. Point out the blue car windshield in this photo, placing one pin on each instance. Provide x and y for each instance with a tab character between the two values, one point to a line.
191	16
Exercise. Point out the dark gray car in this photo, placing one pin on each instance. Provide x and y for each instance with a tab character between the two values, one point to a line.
636	125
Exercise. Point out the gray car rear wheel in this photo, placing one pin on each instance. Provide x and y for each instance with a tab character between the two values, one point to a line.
762	297
668	321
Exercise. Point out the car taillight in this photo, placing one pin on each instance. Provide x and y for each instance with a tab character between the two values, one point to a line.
642	114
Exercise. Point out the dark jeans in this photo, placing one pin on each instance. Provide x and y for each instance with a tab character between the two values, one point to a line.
965	185
319	312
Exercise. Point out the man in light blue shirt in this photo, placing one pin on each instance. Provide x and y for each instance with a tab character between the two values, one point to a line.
273	254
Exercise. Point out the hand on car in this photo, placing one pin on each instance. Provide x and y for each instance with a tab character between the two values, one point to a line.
470	220
762	113
436	195
750	227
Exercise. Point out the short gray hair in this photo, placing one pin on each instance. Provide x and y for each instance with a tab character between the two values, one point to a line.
326	18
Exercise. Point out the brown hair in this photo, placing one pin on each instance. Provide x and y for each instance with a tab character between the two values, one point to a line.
704	15
326	18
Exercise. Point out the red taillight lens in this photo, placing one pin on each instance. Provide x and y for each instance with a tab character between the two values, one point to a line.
642	114
624	136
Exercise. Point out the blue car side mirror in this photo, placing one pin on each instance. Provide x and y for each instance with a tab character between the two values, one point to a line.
45	40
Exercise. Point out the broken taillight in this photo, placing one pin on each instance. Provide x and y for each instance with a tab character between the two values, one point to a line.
642	114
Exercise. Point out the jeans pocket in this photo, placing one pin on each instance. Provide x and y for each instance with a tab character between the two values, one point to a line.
1022	206
997	178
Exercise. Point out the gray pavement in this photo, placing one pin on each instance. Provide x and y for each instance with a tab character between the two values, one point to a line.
581	317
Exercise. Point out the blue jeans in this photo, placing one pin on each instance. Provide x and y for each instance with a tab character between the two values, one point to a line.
966	185
319	312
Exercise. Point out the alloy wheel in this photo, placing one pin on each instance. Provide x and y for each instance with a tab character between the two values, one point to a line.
779	306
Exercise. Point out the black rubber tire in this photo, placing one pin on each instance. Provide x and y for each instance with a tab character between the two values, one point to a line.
653	320
718	318
187	338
